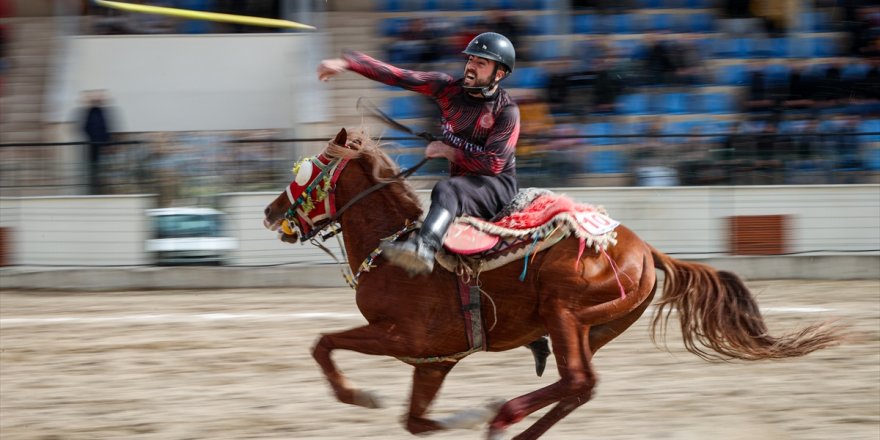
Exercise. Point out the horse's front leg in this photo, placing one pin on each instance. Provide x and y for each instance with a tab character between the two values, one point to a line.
427	380
369	339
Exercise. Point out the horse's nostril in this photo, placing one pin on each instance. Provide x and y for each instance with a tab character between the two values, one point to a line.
266	211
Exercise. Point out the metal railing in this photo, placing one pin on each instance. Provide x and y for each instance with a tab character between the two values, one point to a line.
197	168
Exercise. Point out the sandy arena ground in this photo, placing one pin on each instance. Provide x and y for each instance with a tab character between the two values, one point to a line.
236	364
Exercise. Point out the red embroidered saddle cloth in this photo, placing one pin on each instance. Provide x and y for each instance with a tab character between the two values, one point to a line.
539	215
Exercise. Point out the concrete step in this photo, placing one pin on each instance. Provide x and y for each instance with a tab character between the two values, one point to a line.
22	136
21	87
21	117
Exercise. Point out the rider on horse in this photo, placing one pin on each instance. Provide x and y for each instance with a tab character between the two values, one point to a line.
481	126
480	130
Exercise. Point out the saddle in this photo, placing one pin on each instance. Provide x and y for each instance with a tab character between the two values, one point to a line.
534	221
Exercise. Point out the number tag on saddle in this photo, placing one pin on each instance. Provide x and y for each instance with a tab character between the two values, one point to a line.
595	223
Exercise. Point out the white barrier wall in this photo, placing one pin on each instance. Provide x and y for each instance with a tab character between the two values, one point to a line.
196	82
76	231
688	222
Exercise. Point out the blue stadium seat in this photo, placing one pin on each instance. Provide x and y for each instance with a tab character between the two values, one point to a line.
780	47
673	103
409	159
814	21
870	126
825	47
659	22
546	24
406	107
606	162
392	5
550	49
598	129
392	27
624	23
699	4
760	47
777	74
731	47
527	77
872	159
812	47
633	104
732	75
718	103
633	48
586	24
650	3
854	71
701	22
405	143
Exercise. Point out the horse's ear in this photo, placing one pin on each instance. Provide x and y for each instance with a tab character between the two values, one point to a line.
341	138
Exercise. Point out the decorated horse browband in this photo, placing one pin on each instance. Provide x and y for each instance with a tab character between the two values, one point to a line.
312	195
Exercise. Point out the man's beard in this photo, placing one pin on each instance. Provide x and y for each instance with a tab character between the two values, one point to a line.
475	81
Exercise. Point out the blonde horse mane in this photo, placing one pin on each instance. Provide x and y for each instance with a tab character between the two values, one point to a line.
360	144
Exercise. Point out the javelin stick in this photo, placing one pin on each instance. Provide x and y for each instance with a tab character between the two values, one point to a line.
209	16
366	104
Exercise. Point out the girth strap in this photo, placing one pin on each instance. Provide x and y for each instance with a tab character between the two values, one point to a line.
469	294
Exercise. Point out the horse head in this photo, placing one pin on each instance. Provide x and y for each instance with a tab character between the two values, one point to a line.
324	185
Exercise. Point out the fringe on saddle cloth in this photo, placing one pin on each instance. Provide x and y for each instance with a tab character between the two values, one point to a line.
535	220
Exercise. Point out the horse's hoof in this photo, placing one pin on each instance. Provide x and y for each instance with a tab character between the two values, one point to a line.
495	434
367	399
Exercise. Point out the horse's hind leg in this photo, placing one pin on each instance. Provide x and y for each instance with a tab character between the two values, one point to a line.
573	358
599	336
370	339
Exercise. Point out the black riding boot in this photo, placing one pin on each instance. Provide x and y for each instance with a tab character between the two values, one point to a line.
416	255
540	350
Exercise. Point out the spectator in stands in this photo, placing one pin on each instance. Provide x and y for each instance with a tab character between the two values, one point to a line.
689	66
564	153
801	89
505	23
844	148
868	89
774	14
768	154
760	98
97	125
4	64
558	87
536	122
864	30
833	91
607	86
652	160
660	61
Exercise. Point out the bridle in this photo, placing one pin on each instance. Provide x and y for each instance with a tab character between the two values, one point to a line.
298	216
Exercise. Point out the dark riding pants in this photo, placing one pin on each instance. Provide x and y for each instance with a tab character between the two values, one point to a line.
478	196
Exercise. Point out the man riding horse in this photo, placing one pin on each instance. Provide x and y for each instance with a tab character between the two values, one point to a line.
481	126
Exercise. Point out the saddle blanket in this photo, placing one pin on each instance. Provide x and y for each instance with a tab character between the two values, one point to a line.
534	221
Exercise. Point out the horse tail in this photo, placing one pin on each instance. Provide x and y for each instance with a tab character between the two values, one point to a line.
717	311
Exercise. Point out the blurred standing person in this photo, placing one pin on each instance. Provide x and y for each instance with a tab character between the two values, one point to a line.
97	126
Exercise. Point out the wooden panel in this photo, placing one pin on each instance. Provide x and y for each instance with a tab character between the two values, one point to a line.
5	246
759	234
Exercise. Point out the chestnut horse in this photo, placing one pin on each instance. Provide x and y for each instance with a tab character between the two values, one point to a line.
419	320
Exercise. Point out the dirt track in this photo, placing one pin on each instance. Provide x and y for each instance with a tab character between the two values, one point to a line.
237	364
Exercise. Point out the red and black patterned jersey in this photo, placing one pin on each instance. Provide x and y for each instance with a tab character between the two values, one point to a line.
483	131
